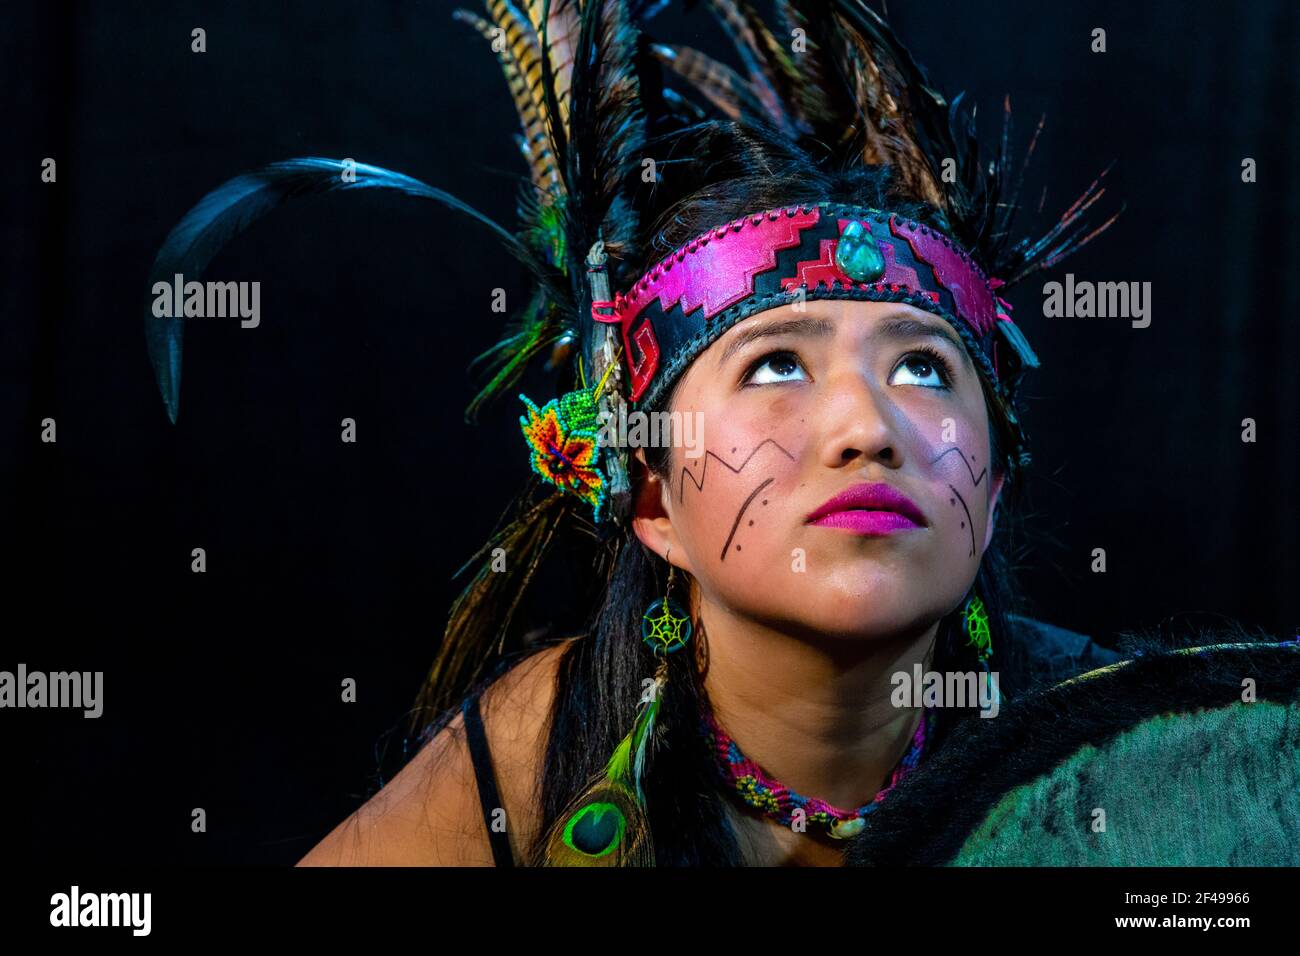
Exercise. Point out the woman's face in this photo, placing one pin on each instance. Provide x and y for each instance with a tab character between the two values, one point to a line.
807	402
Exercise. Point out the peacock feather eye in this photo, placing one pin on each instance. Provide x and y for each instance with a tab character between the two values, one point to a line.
596	829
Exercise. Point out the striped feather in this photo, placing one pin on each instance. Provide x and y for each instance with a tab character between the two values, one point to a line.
521	62
718	83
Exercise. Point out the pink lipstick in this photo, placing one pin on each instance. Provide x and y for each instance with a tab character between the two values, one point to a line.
869	509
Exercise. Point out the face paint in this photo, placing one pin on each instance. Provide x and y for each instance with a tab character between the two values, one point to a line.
958	499
735	470
740	514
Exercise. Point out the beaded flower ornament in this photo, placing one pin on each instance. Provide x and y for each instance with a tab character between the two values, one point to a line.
565	438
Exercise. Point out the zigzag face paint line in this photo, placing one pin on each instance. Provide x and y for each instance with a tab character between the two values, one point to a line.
974	480
699	485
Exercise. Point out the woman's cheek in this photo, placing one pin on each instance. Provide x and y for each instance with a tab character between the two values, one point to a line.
959	474
733	503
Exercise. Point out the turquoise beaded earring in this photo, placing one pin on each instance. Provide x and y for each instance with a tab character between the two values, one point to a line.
664	625
975	619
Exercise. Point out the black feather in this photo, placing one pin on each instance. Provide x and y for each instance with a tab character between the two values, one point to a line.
236	204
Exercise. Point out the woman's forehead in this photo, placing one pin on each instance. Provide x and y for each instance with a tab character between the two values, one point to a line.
829	318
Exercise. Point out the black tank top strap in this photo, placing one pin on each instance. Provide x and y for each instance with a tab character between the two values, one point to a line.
489	798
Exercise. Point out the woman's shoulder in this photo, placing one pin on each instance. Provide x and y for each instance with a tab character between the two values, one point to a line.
430	814
516	710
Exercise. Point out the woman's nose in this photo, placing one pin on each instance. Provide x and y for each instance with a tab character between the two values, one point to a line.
856	422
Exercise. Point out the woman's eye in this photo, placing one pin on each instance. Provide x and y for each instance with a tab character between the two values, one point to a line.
920	368
777	367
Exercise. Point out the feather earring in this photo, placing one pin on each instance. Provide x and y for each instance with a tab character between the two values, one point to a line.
607	824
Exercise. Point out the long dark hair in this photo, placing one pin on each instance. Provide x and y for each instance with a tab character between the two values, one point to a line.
600	676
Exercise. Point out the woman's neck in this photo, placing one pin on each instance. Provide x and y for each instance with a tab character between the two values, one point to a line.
817	716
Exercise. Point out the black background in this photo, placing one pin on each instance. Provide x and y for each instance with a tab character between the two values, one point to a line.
329	560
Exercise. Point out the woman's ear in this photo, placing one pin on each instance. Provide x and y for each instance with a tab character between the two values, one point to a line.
993	509
651	519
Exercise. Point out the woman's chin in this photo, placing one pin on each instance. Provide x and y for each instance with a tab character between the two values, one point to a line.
837	620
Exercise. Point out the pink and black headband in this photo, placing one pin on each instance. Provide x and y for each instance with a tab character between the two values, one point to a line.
814	251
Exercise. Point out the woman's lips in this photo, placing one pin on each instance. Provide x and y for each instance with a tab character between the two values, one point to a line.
867	522
870	509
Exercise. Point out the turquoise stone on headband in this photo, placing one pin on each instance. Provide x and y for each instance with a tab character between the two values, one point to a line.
856	254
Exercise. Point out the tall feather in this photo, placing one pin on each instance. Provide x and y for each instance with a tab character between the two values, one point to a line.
236	204
816	89
719	83
762	56
924	130
607	135
906	119
521	61
587	93
583	91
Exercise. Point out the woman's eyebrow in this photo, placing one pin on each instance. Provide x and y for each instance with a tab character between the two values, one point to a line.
809	326
906	328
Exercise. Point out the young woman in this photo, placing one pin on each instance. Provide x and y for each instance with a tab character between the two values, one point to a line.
841	526
801	601
804	606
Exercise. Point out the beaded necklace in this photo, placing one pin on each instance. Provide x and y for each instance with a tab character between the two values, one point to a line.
764	793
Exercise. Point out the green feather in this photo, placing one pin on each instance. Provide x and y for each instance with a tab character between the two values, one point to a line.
607	825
